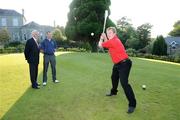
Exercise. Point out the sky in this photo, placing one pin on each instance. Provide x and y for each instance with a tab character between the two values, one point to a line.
162	14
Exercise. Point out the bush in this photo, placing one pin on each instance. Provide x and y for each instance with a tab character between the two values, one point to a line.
72	49
61	49
10	50
1	50
87	46
143	50
164	58
159	46
12	44
76	49
150	56
177	59
20	48
131	52
177	56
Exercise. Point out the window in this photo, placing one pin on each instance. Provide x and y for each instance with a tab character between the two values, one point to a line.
173	44
25	36
3	22
15	22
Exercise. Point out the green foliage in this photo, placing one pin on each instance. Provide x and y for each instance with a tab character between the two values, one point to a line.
132	38
71	49
123	23
4	36
176	31
126	32
57	35
87	46
144	34
131	52
13	47
62	29
149	47
177	56
86	17
12	44
20	48
132	42
160	46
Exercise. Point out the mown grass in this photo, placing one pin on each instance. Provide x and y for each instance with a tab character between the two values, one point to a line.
85	79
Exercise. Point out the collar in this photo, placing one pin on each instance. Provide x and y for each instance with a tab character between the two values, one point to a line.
115	36
35	39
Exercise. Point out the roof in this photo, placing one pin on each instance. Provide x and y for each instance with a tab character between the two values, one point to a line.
35	25
31	24
8	12
169	40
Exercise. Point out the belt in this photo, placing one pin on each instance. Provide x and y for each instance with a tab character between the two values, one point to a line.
122	61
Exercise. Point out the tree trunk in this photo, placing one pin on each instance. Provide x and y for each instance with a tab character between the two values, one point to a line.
93	44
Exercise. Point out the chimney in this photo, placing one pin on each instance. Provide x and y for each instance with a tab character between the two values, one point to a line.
24	19
23	12
54	23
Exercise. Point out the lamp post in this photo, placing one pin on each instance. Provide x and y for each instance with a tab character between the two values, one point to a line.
41	36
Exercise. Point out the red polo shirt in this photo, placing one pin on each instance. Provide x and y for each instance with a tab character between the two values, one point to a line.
116	49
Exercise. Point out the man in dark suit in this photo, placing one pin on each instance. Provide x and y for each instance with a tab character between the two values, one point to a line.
31	53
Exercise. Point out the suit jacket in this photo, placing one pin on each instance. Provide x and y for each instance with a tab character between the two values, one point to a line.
31	51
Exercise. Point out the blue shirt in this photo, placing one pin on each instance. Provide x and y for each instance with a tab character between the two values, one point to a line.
48	46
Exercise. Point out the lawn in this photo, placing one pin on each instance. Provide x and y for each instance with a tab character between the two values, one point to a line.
85	79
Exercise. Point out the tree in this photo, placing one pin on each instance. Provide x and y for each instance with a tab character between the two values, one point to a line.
123	23
132	42
86	17
4	36
125	29
159	46
62	29
176	31
144	34
57	35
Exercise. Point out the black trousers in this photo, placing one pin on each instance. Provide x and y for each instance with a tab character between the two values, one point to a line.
121	71
33	69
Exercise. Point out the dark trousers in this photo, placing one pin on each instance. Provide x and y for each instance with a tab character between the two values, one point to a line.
33	69
52	60
121	71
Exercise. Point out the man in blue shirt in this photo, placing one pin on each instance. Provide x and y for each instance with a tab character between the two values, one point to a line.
48	47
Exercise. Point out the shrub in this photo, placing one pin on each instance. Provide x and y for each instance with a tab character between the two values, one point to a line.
12	44
131	52
1	50
177	57
87	46
20	48
164	58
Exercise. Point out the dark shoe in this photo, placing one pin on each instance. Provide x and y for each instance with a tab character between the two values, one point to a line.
35	87
130	110
111	94
38	84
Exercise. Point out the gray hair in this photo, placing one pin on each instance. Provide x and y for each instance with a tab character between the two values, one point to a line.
34	32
